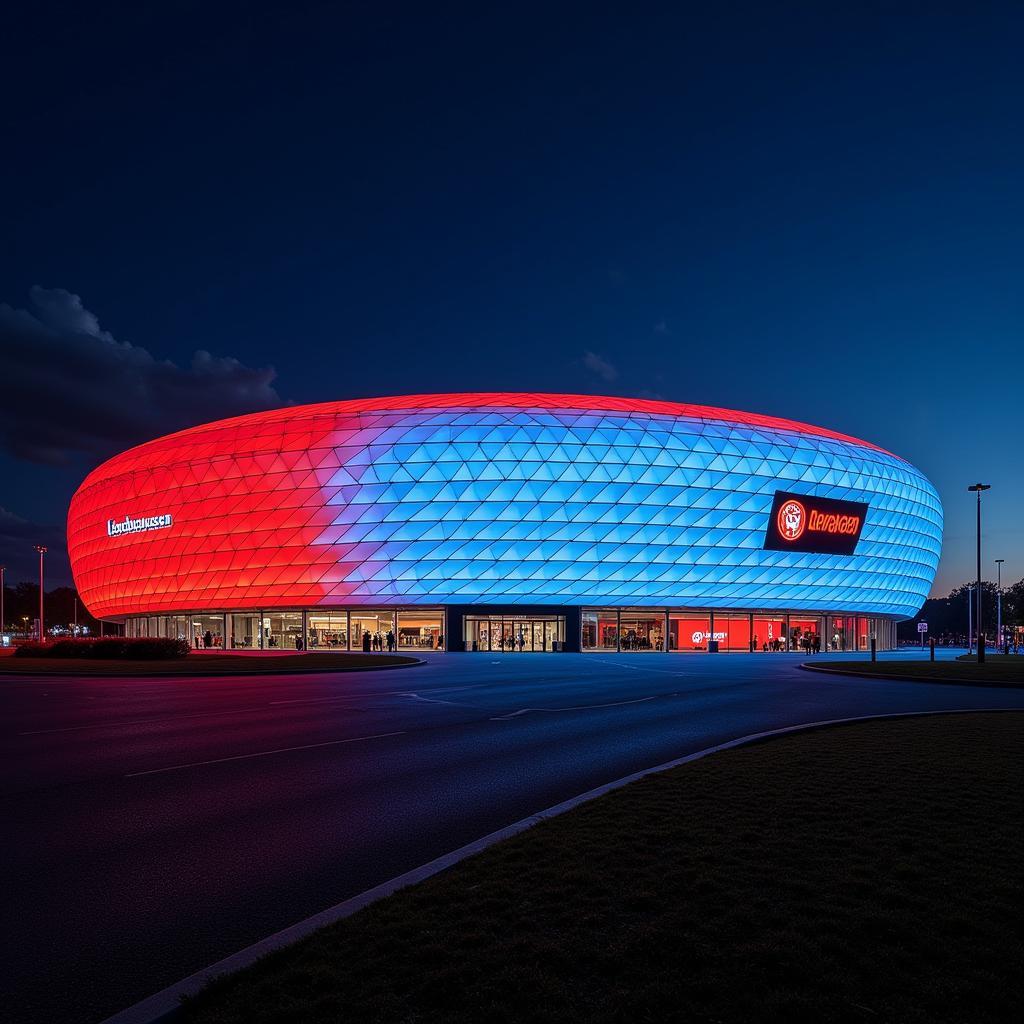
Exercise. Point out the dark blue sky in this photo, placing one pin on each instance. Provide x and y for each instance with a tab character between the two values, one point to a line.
786	209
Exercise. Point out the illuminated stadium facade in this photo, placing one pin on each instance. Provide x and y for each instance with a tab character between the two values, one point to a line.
507	522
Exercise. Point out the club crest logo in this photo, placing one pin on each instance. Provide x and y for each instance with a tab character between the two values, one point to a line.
791	520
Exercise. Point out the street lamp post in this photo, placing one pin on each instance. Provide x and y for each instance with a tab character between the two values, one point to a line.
970	626
981	632
3	586
42	630
999	602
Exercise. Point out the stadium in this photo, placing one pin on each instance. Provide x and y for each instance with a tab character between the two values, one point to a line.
507	523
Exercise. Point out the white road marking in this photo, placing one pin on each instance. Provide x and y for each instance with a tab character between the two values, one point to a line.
433	700
637	668
263	753
374	693
581	707
129	722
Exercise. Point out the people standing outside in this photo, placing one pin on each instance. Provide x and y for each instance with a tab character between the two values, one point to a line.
390	638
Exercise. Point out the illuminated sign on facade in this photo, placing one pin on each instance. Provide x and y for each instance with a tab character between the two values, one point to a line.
802	522
117	527
700	636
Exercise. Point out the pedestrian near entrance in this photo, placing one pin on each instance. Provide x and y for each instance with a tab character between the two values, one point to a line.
390	641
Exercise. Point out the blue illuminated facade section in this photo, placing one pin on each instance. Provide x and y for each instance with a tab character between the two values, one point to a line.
571	508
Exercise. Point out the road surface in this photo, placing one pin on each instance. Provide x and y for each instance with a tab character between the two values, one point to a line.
158	825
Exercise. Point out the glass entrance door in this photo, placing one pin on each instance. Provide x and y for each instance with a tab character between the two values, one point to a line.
508	634
550	635
513	634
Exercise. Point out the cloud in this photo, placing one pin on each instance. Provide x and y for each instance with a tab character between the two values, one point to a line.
661	328
68	387
600	366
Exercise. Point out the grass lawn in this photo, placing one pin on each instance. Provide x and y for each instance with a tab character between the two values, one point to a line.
204	665
868	872
998	670
995	658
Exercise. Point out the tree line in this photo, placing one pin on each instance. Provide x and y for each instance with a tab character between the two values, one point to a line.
947	616
21	606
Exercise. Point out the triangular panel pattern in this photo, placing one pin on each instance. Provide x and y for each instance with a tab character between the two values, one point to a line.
496	499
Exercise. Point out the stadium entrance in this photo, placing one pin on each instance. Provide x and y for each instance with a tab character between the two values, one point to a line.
514	633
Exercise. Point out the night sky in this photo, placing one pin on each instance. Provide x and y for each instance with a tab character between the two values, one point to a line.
807	210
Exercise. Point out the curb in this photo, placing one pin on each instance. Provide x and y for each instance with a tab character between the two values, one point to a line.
164	1007
210	675
1001	684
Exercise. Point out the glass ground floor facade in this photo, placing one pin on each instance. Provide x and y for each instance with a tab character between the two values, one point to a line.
509	630
334	629
668	629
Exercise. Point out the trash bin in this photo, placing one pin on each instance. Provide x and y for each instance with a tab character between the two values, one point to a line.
712	647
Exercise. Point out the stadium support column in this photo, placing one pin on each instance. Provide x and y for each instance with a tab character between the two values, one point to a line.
573	627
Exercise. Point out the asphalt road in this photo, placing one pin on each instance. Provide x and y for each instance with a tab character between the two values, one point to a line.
155	826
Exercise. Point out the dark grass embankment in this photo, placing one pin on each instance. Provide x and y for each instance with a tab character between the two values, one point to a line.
868	872
205	665
997	670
